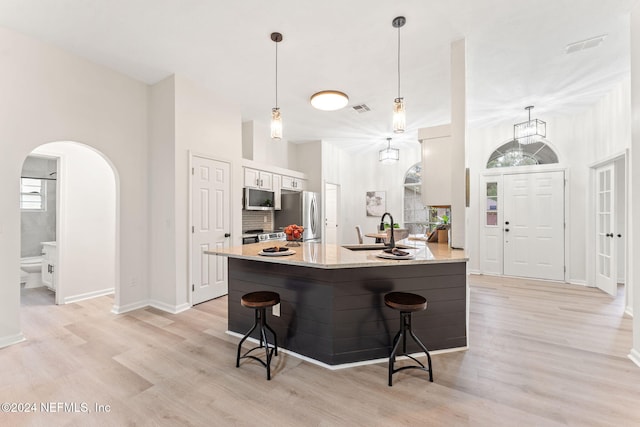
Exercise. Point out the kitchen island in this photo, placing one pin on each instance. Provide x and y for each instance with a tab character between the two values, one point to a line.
332	298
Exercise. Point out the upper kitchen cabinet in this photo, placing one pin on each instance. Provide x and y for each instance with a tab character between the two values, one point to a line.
291	183
277	191
254	178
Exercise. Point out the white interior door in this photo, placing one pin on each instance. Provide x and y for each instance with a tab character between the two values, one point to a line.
534	225
331	213
211	225
606	264
492	242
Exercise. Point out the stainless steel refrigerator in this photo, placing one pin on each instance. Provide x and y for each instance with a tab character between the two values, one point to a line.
301	208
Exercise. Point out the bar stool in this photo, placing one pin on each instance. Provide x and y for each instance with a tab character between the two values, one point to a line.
406	303
260	301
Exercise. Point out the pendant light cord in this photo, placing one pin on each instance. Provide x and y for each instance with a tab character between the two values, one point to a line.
398	62
276	75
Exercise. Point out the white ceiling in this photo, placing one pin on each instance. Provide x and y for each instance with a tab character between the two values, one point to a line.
515	54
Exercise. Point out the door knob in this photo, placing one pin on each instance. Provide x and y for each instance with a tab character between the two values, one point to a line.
506	229
506	222
609	234
227	234
619	235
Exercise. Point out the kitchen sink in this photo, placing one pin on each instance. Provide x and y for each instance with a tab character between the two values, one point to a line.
373	247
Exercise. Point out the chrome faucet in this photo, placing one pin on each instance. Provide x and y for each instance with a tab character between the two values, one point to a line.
392	242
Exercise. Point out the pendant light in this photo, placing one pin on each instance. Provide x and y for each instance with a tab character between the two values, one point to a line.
389	155
399	116
276	119
530	131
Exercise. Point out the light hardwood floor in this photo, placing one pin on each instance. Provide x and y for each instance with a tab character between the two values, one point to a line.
542	354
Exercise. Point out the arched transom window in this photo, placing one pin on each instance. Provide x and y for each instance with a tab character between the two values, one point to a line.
515	154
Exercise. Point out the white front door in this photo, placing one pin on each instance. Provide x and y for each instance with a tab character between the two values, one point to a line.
606	268
534	225
211	225
331	213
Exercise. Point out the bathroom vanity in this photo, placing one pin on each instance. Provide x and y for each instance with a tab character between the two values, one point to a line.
49	263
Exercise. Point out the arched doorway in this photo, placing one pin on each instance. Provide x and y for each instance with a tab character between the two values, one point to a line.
85	262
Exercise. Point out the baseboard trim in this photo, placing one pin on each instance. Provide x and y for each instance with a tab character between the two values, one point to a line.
11	340
347	365
88	295
478	272
578	282
116	309
173	309
628	311
634	355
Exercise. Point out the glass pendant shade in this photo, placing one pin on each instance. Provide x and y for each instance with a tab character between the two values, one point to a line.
399	116
276	124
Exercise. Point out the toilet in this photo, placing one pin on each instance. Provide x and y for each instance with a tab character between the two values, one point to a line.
31	272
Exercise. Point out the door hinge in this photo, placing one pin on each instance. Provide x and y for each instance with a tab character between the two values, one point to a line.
193	287
193	171
565	268
193	229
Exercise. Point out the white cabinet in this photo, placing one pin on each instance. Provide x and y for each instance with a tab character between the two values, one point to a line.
49	263
277	191
254	178
291	183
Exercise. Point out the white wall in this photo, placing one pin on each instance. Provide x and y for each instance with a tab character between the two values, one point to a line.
210	126
306	157
162	190
259	146
580	140
634	230
50	95
359	172
87	233
184	118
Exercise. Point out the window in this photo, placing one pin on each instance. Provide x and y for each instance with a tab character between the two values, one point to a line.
418	218
492	204
515	154
33	194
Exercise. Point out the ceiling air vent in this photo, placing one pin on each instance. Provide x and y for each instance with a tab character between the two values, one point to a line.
362	108
585	44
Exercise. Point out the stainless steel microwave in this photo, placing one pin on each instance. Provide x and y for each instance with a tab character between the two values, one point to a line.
258	200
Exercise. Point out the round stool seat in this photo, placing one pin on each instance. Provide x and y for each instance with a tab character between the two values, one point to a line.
404	301
260	299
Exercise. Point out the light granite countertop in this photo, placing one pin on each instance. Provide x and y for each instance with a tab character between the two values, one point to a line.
322	255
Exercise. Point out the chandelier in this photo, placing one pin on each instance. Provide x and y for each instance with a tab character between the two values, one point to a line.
530	131
389	155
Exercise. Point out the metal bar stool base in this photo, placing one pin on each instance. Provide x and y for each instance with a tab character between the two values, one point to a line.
405	328
270	349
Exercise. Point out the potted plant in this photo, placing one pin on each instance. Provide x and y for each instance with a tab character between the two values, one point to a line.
443	229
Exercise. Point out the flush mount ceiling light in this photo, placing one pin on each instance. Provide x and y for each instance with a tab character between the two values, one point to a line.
399	116
389	155
276	119
329	100
530	131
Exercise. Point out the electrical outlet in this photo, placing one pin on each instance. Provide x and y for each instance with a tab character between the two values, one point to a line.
276	310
